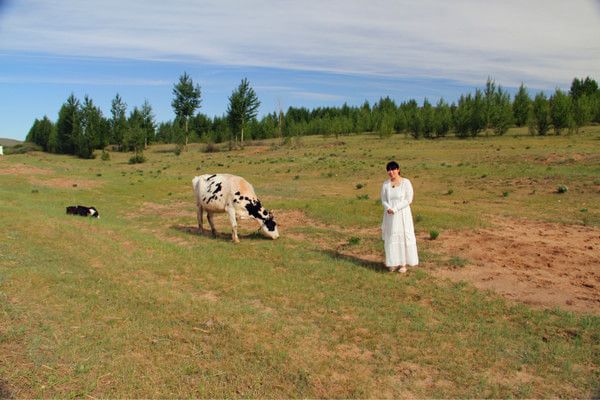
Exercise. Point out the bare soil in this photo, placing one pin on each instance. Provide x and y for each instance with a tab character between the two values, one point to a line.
542	264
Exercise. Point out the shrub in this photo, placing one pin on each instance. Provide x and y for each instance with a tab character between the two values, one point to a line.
354	240
137	159
105	155
562	189
433	234
360	186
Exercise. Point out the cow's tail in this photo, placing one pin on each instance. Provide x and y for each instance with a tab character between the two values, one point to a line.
196	183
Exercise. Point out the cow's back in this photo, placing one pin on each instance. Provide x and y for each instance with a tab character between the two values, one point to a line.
216	191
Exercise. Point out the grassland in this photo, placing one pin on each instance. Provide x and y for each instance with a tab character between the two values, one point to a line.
137	304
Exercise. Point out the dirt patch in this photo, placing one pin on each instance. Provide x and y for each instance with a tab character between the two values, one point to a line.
542	264
22	169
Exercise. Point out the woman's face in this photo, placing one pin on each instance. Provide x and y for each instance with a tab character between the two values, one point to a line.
393	173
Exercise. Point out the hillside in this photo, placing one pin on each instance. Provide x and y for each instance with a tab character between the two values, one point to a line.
9	142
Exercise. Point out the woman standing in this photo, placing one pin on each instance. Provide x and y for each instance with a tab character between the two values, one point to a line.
397	230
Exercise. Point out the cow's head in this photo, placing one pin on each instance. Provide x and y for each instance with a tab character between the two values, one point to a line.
269	226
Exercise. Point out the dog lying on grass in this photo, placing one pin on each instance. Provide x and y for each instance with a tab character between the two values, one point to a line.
83	211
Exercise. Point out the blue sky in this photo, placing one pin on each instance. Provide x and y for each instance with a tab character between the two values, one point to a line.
294	53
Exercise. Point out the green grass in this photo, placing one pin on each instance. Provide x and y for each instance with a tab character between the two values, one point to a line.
134	305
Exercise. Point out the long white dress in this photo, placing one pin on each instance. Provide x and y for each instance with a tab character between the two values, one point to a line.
397	229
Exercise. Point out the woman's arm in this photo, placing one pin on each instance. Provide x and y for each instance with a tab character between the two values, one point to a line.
408	196
384	202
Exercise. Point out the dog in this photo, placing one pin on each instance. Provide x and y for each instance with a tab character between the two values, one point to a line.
83	211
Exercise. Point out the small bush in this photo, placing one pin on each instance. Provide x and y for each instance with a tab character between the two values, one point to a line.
504	194
137	159
433	234
354	241
562	189
105	155
449	192
418	218
360	186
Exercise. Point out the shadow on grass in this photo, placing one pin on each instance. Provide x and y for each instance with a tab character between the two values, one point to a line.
361	262
224	236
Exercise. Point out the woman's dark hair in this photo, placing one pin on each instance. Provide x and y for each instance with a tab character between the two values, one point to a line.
392	165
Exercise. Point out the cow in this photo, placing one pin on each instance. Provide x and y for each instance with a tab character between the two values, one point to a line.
83	211
231	194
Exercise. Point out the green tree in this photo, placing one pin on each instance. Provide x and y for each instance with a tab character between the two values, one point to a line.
41	133
561	113
187	100
92	133
118	121
583	87
68	126
428	119
148	124
443	118
489	95
540	115
502	114
582	111
243	106
521	106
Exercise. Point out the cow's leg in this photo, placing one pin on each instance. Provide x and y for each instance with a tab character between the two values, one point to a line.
200	223
209	217
231	212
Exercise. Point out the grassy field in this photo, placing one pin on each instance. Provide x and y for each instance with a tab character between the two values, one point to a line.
137	304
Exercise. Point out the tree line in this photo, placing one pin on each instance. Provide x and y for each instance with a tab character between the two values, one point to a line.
82	128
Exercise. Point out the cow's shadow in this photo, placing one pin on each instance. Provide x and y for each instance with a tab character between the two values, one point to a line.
224	236
361	262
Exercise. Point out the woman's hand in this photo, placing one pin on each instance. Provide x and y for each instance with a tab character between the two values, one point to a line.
390	211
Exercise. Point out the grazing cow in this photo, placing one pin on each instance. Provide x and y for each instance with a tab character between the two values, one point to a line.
233	195
83	211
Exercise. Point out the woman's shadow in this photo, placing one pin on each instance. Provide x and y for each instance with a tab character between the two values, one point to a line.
361	262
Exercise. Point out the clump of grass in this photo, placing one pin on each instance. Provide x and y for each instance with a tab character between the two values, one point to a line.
363	197
562	189
35	191
505	194
353	241
418	218
359	186
105	155
456	261
433	234
296	177
449	192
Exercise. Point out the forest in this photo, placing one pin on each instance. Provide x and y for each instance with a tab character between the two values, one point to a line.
81	126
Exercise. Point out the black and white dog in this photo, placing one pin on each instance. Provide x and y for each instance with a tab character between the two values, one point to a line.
83	211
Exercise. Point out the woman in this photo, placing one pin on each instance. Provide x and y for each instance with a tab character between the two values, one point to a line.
397	230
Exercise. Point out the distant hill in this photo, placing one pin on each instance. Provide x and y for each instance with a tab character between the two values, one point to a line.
9	142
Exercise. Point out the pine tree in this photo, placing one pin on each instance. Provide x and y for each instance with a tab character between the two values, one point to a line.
521	106
187	100
243	106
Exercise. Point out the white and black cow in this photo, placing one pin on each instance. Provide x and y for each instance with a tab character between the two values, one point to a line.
83	211
218	193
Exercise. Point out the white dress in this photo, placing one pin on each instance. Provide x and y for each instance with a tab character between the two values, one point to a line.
397	229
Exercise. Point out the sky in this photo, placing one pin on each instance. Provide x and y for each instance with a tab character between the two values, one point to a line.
309	53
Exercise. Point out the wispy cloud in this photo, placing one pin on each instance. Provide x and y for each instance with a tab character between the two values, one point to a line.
540	42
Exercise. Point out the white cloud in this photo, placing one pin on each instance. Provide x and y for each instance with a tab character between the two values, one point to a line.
539	42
